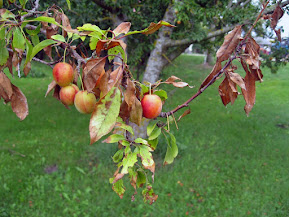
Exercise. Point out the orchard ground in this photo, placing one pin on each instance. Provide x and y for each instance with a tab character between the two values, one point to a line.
228	164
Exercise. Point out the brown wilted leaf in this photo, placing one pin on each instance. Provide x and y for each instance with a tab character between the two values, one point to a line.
188	111
65	23
6	89
217	68
51	86
250	92
15	59
136	112
124	111
92	73
230	43
9	63
226	93
122	28
276	16
19	103
103	84
129	94
237	79
107	44
27	68
256	72
115	77
253	51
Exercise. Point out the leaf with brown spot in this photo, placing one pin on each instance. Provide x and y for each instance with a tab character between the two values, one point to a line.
226	93
19	103
6	90
92	73
51	86
250	92
230	43
217	68
122	28
104	115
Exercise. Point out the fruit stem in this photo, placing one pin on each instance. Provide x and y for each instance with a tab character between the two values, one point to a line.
80	78
64	54
150	89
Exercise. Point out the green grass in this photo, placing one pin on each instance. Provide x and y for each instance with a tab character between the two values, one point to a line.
228	164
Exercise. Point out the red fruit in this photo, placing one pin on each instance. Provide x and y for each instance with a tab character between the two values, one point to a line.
151	106
84	102
63	74
67	94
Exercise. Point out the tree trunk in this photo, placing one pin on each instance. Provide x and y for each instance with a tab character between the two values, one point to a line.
157	61
208	61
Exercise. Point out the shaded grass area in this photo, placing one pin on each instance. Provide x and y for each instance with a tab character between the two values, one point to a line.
228	164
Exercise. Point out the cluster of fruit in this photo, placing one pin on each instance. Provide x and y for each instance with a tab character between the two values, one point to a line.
69	93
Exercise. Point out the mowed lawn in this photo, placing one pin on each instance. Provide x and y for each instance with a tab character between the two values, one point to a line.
228	164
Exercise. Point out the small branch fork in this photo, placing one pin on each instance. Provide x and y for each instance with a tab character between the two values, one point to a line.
238	50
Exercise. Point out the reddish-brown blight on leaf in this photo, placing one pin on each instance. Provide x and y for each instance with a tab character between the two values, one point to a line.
215	70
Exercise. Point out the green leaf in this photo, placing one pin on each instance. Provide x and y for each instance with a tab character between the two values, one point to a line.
141	141
35	40
114	138
18	39
46	19
2	33
120	123
89	27
117	157
128	161
92	43
141	179
153	143
29	49
23	3
1	3
58	38
151	127
33	32
144	89
172	149
125	143
155	133
118	188
4	54
162	94
8	15
146	156
68	4
104	115
40	46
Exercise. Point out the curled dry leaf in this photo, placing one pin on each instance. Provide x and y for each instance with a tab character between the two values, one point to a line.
237	79
230	43
107	44
153	27
173	80
227	94
19	103
129	94
51	86
250	92
122	28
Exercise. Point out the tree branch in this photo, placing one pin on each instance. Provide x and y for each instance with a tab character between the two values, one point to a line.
31	12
